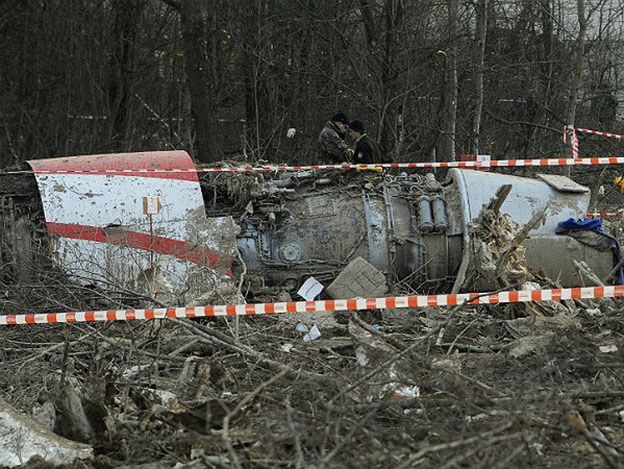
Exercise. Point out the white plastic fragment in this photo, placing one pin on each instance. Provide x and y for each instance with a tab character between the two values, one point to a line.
134	370
313	334
290	133
165	397
406	392
310	289
532	286
608	348
593	312
361	356
538	447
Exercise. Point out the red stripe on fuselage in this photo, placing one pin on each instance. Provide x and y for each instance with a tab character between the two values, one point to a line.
119	163
200	255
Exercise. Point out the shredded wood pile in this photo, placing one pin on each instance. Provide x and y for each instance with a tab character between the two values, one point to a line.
493	237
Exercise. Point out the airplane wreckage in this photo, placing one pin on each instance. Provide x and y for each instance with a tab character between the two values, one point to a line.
187	237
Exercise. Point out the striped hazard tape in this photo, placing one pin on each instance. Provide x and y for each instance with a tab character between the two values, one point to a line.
617	213
590	161
353	304
601	134
569	134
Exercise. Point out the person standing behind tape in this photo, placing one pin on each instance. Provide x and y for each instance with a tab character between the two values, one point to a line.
333	148
366	150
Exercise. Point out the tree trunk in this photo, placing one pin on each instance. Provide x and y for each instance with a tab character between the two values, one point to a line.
449	123
545	78
366	11
125	24
196	64
259	109
577	74
480	36
394	16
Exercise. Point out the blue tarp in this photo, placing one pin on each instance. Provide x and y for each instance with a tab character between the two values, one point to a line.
589	224
579	229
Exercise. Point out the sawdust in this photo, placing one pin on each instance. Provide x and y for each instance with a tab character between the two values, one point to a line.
492	236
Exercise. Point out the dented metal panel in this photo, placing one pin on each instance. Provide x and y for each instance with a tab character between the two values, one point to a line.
144	232
527	197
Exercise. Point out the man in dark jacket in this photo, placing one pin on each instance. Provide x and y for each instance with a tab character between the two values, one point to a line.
333	148
366	150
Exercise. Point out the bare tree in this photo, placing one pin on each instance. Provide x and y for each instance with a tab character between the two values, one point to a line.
126	15
452	76
579	54
481	9
196	39
450	95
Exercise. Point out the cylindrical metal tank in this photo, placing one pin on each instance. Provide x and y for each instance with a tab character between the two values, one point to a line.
546	251
439	213
425	215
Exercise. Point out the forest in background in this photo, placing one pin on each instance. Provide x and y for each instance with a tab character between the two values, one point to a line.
431	79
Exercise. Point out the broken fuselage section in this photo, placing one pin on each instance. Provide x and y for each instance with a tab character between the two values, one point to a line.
183	237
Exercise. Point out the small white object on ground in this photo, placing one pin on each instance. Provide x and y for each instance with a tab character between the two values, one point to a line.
290	133
310	289
407	392
313	334
608	348
593	312
530	286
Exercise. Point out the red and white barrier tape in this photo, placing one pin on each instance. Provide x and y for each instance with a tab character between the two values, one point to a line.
603	160
569	133
569	136
601	134
617	213
353	304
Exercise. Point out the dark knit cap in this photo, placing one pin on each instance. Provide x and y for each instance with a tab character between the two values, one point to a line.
357	126
340	117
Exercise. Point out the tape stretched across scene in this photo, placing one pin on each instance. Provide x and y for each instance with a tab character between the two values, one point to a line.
590	161
353	304
600	134
617	213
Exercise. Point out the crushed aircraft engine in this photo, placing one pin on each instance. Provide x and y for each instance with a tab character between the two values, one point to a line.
181	236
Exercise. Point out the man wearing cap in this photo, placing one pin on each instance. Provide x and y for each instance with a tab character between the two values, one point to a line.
333	148
365	149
